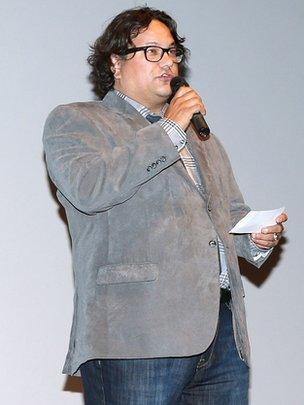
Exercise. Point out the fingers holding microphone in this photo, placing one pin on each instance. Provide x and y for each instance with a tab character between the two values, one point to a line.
183	105
187	106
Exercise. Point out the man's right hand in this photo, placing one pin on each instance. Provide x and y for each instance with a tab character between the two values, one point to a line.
183	105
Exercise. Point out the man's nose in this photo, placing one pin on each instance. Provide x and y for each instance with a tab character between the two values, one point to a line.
166	61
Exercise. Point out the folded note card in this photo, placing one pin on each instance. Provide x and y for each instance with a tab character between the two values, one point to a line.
254	221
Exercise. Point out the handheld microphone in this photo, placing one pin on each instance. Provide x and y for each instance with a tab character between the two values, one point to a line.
197	119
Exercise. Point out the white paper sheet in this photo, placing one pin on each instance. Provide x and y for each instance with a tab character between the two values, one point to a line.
254	221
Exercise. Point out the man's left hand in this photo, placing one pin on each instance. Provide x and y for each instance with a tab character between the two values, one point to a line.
270	236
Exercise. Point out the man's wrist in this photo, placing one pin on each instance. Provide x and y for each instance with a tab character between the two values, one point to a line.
175	132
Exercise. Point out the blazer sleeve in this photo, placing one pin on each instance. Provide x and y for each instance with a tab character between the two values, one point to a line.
238	209
93	172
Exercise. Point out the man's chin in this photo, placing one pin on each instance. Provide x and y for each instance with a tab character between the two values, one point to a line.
164	94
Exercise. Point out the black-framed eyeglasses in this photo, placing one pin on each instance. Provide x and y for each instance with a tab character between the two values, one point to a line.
155	53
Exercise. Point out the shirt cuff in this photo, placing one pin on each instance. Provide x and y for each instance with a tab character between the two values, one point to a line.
175	133
258	253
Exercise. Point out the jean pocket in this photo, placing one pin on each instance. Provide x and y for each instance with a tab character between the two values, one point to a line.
127	273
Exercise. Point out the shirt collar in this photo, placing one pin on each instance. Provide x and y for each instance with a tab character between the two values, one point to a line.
144	111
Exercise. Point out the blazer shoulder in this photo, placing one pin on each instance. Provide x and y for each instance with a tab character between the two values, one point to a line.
77	112
215	140
217	143
80	107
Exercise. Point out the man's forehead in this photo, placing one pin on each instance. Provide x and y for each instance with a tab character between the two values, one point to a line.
156	33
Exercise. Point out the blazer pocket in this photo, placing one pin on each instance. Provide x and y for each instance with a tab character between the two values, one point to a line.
127	273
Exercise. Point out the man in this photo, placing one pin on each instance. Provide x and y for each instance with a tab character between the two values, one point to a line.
159	315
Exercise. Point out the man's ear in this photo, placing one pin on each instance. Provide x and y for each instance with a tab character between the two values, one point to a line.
116	64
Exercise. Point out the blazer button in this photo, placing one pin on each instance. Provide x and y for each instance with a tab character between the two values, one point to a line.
212	243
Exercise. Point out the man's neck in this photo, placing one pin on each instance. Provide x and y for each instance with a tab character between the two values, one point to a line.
143	110
156	108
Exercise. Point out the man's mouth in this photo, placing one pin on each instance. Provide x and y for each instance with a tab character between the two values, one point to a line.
166	76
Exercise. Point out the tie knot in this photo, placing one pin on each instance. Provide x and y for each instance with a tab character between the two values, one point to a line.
153	118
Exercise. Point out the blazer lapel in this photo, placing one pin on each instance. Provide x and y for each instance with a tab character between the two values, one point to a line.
197	149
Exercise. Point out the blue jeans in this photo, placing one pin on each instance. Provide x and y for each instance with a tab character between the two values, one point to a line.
216	377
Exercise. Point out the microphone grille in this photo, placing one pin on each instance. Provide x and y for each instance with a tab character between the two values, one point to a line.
176	83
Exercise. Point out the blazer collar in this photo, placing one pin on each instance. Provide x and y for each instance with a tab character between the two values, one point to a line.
121	106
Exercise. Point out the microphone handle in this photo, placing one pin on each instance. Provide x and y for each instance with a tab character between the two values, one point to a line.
200	125
197	119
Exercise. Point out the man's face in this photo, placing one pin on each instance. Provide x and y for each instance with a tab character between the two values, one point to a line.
144	81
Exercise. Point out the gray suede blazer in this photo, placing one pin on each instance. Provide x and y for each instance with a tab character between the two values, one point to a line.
145	263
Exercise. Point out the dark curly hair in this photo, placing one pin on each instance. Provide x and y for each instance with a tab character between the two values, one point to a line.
117	38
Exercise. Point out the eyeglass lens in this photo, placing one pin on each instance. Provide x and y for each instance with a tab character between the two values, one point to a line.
154	54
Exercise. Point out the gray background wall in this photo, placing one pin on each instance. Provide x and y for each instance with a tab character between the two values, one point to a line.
247	63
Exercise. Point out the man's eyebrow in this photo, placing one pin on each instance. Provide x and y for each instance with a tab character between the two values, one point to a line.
158	44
